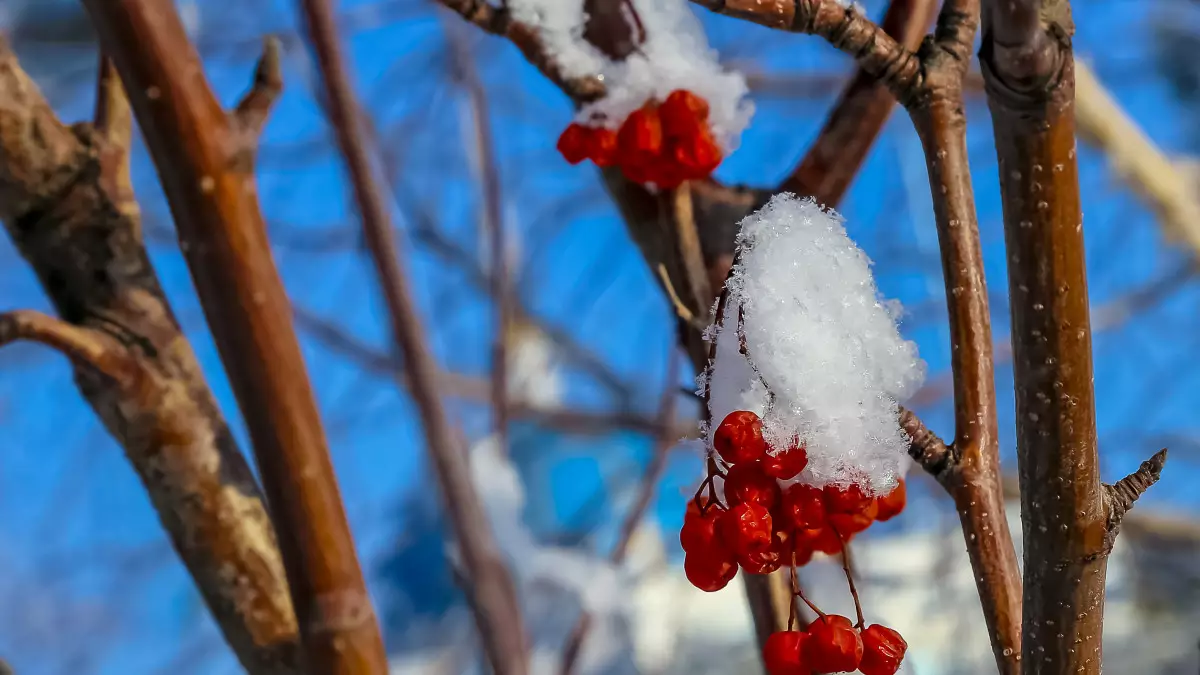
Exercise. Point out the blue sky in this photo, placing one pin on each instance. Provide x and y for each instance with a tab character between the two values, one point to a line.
78	541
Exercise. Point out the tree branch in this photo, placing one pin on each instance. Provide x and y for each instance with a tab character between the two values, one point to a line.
1029	73
67	203
833	160
490	586
876	52
204	158
972	474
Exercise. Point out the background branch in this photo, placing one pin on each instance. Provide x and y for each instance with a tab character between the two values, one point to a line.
204	158
489	583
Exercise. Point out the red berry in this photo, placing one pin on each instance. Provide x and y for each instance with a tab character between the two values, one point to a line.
665	173
709	573
823	539
803	507
891	504
640	139
746	528
883	650
783	653
834	646
682	112
699	531
764	561
787	464
602	146
746	482
698	153
849	524
802	549
573	143
739	437
849	499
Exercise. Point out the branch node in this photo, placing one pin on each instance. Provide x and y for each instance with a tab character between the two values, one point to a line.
252	111
83	346
1120	496
927	448
112	118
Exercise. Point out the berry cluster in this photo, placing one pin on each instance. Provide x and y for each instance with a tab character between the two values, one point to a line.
763	526
832	644
664	144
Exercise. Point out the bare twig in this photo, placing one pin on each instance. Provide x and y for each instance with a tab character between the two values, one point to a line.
637	511
490	585
204	157
67	202
493	220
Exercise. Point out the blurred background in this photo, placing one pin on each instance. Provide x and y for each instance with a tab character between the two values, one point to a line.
89	583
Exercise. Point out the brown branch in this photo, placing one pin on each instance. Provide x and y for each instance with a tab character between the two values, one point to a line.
973	477
927	449
833	160
83	346
637	511
67	203
490	586
1029	72
204	158
876	52
496	21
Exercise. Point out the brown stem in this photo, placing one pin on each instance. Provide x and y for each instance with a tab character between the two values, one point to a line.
1120	496
1028	69
833	160
972	479
877	53
490	585
67	203
850	579
637	512
204	158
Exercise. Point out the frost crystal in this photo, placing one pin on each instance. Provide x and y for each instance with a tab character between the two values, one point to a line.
825	344
674	56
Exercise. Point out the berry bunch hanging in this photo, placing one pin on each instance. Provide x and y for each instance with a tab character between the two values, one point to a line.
663	144
762	526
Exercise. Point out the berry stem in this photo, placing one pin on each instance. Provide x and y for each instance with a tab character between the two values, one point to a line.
850	578
795	590
800	594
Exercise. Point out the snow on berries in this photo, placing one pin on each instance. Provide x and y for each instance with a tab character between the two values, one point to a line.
806	374
823	361
672	86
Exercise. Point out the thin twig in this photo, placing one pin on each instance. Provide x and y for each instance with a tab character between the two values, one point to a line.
490	585
637	511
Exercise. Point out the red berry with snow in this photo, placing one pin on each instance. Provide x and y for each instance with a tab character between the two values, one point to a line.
746	482
786	464
709	573
746	528
783	653
891	504
846	499
573	143
739	437
803	507
833	646
883	650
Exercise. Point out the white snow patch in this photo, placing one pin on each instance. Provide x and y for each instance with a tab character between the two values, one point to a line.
826	345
